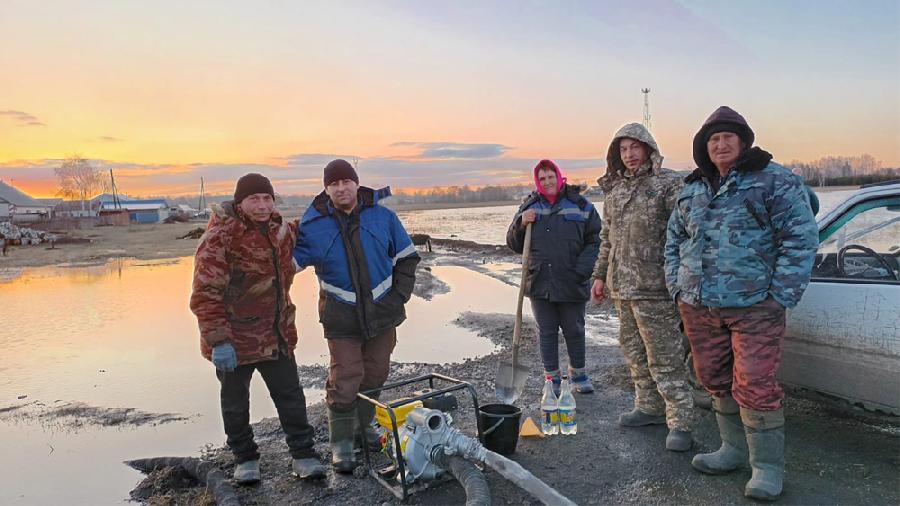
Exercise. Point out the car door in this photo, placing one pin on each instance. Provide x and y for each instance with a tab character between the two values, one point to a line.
843	339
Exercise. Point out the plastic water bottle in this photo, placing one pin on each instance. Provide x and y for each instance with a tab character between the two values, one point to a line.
568	422
549	410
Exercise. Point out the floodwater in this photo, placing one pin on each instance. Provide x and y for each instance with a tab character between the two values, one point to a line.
121	335
487	225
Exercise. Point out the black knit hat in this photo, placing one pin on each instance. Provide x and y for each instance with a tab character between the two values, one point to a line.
251	184
723	119
337	170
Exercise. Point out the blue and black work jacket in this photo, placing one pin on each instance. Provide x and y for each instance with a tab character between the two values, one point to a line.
565	239
365	262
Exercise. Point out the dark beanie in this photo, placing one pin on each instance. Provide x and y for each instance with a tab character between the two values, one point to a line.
251	184
339	169
723	119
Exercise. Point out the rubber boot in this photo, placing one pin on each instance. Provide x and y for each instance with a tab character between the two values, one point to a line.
365	414
340	431
637	418
247	472
733	452
679	440
765	440
308	468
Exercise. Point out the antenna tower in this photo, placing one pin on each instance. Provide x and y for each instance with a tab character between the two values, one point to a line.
201	205
646	92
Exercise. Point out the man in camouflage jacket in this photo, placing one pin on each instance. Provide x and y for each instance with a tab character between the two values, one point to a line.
243	272
740	247
639	196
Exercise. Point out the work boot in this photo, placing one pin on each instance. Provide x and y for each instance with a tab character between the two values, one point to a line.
247	472
702	399
308	468
366	413
733	452
340	431
637	418
679	440
581	383
765	441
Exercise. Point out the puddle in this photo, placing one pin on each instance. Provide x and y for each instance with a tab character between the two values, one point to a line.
118	340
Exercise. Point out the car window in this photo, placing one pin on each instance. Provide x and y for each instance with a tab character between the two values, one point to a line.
863	244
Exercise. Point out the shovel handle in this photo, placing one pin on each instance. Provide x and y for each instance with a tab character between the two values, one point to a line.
517	329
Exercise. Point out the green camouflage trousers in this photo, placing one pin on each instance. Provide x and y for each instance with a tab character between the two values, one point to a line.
654	351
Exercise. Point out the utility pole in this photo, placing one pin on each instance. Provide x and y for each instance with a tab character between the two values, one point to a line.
646	92
115	191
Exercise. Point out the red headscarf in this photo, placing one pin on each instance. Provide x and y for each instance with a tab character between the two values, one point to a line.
560	180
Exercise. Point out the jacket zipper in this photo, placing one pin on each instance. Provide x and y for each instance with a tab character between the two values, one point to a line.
282	345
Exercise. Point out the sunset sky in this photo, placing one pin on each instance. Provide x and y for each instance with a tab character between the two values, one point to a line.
428	93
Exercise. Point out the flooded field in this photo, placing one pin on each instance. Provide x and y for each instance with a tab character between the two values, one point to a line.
121	335
487	225
83	342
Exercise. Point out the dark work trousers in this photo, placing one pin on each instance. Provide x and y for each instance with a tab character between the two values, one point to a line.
551	316
737	351
357	365
284	387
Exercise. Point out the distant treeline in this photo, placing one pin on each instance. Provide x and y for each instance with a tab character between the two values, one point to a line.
843	171
457	194
888	175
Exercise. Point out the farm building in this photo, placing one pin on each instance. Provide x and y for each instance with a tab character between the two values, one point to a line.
18	207
139	211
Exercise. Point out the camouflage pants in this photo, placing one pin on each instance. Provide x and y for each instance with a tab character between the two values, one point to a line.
737	351
653	348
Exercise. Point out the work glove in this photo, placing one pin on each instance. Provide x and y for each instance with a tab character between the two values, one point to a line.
224	357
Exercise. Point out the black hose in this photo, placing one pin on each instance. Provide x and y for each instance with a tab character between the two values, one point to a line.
202	471
469	476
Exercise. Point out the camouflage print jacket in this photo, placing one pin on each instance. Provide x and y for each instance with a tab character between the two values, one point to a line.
636	209
242	281
753	237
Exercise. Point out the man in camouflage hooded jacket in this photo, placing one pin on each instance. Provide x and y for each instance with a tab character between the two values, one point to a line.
639	196
243	271
739	251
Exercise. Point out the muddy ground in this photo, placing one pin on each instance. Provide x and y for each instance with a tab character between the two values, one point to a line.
836	454
73	416
97	245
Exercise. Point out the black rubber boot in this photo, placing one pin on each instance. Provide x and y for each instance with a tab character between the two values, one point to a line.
340	431
365	414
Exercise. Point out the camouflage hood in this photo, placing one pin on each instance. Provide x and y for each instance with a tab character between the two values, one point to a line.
615	168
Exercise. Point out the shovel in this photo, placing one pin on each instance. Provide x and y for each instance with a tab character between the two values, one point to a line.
510	379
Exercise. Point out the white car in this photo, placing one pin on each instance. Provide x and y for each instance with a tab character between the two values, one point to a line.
843	339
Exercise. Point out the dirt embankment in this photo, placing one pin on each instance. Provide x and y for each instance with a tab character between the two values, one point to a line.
835	453
99	244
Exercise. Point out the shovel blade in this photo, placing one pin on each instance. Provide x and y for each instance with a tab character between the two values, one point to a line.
509	382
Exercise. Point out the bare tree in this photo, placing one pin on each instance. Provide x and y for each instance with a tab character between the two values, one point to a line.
79	179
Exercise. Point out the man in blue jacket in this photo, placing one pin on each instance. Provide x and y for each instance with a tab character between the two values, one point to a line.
740	246
366	265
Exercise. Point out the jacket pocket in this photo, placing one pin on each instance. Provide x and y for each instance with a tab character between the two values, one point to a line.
755	214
